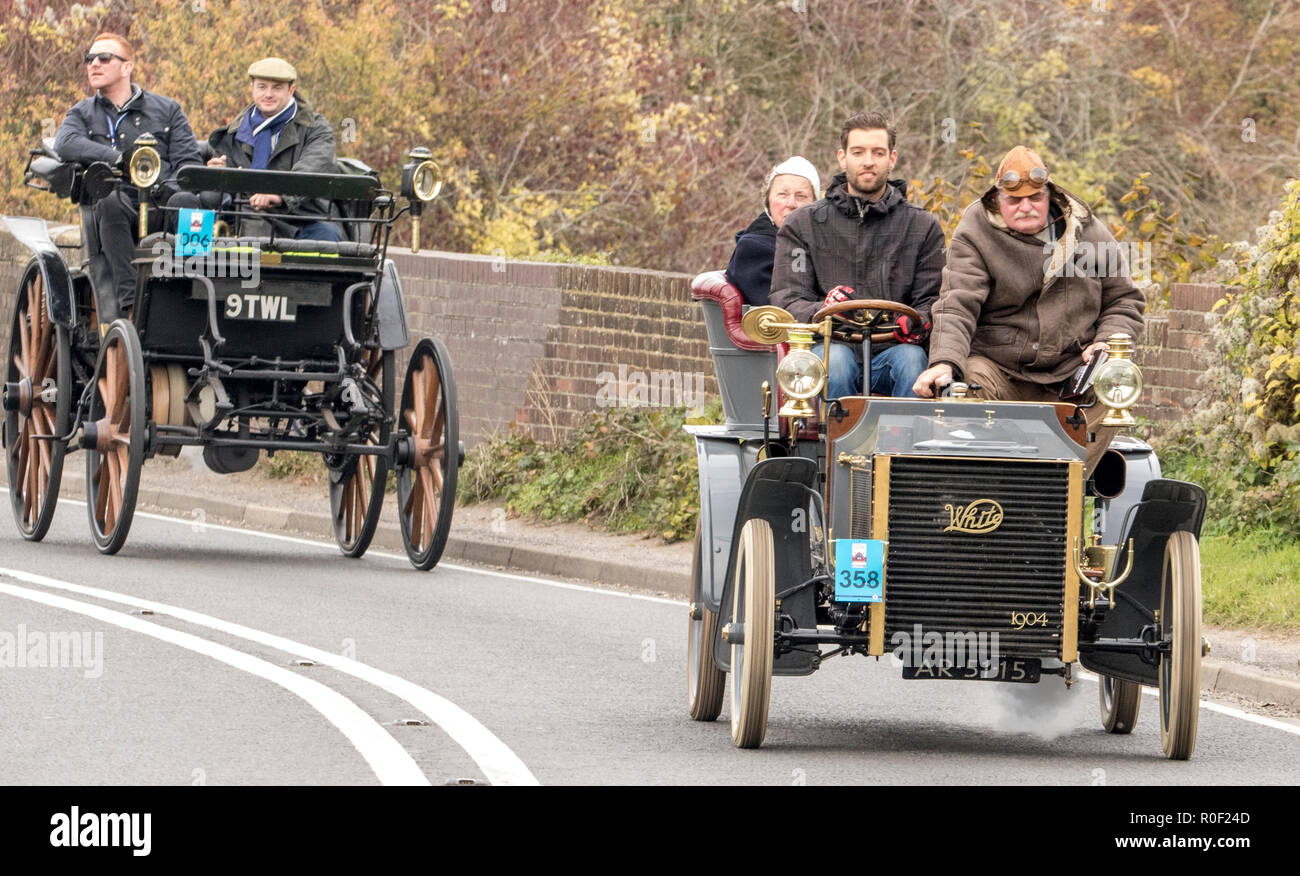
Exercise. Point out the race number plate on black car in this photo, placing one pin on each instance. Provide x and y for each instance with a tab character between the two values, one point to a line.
1026	670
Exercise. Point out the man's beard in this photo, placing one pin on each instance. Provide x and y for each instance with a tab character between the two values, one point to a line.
870	194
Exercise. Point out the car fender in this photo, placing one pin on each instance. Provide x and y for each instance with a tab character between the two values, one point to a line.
1141	466
722	462
393	333
773	490
34	234
1167	506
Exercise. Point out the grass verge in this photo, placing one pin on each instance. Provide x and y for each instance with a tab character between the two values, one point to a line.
297	466
625	470
633	470
1251	580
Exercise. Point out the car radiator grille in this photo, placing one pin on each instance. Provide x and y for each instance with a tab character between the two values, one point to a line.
960	582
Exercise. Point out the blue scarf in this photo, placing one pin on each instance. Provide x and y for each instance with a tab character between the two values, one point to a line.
258	131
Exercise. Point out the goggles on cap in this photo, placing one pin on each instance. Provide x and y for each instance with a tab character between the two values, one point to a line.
1011	179
102	57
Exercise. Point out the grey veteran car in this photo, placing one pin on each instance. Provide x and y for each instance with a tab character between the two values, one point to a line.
947	536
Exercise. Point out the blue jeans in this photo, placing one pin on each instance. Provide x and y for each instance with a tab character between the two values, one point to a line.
893	370
319	231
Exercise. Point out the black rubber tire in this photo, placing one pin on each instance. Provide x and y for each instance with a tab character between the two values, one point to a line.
1120	702
426	484
34	490
705	682
117	408
357	485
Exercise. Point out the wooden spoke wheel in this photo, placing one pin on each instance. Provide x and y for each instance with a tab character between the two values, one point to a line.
751	658
704	680
1180	626
426	481
1120	701
38	392
114	437
357	485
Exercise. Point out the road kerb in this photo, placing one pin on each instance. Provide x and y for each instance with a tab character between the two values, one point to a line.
1250	683
1215	676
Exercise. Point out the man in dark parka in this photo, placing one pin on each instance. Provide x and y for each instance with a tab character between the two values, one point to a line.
104	127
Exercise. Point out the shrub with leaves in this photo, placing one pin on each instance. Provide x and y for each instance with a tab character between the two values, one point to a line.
1244	442
626	470
1179	247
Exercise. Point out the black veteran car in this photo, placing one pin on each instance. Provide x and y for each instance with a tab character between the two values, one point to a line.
235	344
947	535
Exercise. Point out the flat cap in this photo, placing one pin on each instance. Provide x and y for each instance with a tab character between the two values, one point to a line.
275	69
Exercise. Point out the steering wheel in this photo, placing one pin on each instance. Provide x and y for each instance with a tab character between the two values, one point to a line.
852	328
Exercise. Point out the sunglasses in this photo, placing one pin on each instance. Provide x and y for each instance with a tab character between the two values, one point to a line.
1011	179
102	57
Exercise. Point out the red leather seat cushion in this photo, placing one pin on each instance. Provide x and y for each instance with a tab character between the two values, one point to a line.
713	285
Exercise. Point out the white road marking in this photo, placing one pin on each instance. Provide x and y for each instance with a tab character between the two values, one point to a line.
401	558
562	585
1215	707
501	765
391	763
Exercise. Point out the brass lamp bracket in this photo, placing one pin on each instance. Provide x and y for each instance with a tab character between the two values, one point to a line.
1099	556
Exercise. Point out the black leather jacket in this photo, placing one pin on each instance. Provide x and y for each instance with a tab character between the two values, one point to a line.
95	130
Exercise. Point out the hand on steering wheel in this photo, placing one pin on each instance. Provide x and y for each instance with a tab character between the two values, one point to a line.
873	321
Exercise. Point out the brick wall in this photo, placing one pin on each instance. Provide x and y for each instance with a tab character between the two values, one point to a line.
528	341
13	257
1173	354
535	343
531	342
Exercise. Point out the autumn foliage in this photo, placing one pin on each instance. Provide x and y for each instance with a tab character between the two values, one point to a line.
639	132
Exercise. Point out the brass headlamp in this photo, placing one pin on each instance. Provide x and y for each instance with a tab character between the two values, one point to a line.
1119	381
801	373
421	183
144	169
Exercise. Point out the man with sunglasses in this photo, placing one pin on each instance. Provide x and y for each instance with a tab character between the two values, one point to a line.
1018	313
104	127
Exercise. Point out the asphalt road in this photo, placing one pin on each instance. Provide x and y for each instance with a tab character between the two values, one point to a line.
516	680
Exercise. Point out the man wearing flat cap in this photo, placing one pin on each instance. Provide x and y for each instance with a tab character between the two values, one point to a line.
280	131
1023	303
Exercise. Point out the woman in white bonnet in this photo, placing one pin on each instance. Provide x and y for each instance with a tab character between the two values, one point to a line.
788	186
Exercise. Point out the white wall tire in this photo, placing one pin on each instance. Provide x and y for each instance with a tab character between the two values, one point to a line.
1180	669
751	660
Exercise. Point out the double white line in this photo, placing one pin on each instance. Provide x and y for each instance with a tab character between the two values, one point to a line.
390	762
